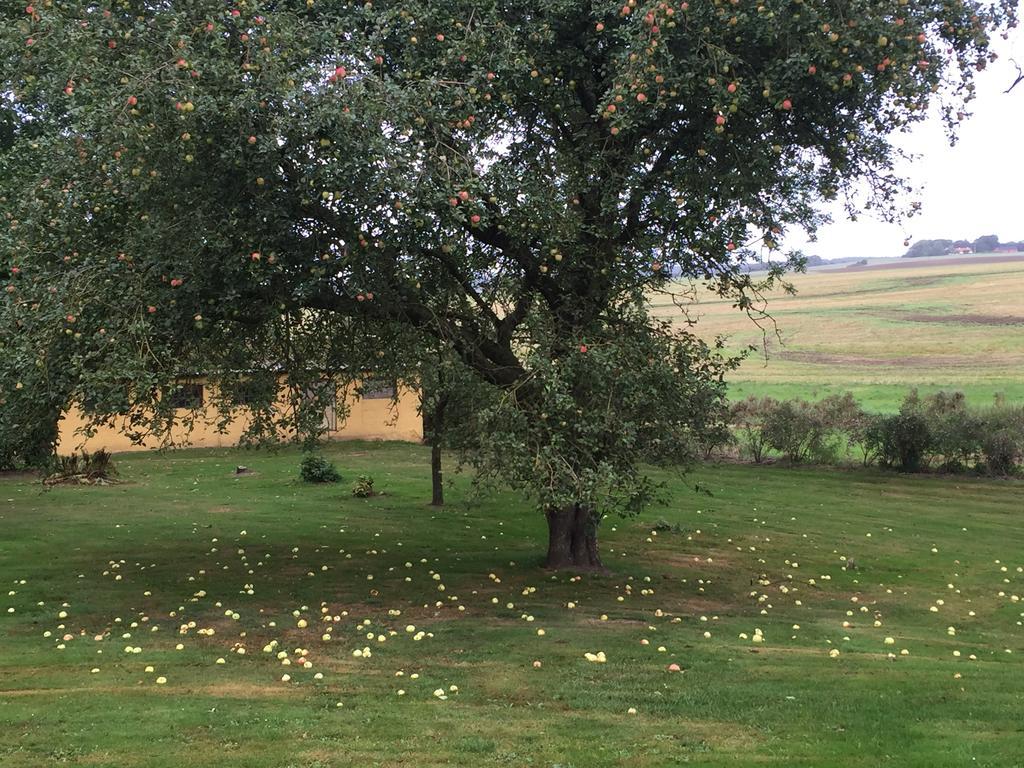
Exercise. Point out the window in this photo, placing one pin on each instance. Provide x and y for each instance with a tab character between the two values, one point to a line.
377	389
186	396
253	392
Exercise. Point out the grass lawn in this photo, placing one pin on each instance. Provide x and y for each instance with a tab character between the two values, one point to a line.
879	332
183	553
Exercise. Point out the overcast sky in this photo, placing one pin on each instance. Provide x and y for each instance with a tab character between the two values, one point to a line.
969	190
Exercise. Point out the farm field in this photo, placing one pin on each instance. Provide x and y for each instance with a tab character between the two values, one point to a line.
879	331
126	608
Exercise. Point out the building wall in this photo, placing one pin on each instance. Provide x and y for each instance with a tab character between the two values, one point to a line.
369	419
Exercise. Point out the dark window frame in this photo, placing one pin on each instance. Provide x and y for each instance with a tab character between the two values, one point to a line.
186	396
378	389
248	391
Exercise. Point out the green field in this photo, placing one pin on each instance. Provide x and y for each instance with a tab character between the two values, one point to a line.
92	573
926	323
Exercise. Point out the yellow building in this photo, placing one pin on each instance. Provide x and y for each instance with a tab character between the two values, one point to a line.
376	415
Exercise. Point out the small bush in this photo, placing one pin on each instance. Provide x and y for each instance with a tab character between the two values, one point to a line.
909	434
805	431
715	440
748	417
28	420
898	441
316	468
96	468
1002	452
363	487
911	439
1002	447
839	418
871	434
788	429
955	432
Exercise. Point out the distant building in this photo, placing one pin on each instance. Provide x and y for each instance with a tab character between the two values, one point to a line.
371	410
963	249
1013	248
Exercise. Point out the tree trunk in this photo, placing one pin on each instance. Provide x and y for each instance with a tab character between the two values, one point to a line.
433	433
572	539
436	478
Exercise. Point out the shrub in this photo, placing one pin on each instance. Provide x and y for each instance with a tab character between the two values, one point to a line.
873	439
788	428
800	430
955	432
1002	447
748	417
27	439
96	468
898	441
839	417
716	439
911	440
363	487
864	433
316	468
1002	452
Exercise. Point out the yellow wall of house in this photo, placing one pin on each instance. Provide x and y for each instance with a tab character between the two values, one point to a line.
367	420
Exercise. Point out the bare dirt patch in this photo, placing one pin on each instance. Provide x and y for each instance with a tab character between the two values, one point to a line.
918	281
997	320
239	690
863	361
217	690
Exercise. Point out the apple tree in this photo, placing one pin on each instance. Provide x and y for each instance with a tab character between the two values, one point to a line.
244	188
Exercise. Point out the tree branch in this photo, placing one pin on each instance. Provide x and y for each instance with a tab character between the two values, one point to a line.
635	203
464	284
1020	77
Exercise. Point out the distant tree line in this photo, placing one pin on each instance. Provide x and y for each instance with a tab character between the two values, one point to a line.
939	432
805	261
983	244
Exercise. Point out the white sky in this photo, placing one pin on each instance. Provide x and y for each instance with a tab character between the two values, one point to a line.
966	191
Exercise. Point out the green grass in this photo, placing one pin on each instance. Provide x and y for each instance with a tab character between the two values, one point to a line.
876	397
173	532
880	332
